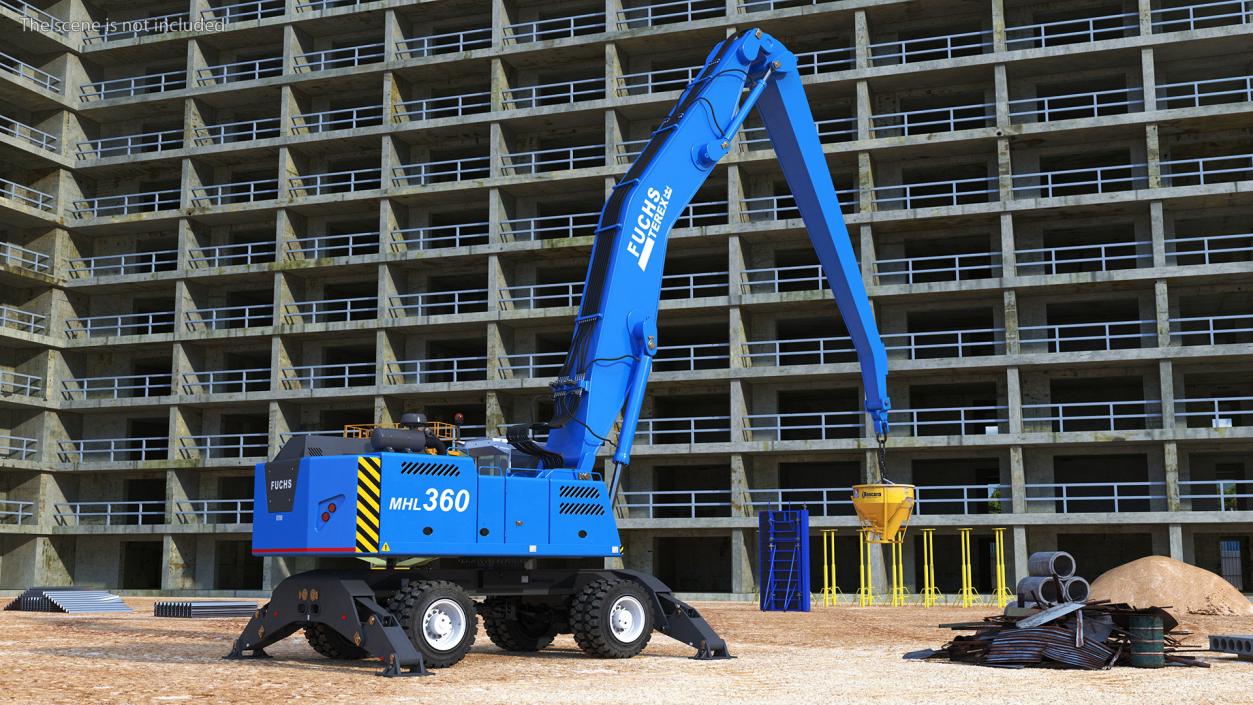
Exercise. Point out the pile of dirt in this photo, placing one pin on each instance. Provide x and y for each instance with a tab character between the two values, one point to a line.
1164	582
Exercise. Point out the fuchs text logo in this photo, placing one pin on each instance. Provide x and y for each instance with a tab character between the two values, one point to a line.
280	484
648	224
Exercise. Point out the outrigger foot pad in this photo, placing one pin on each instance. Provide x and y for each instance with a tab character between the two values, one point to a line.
395	670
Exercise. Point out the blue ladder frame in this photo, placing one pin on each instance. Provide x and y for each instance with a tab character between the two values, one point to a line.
783	559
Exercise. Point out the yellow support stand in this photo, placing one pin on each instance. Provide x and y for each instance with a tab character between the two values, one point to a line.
899	594
930	595
1002	593
865	588
968	596
830	591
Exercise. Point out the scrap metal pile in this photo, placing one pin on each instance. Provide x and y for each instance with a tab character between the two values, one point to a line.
1054	623
1088	635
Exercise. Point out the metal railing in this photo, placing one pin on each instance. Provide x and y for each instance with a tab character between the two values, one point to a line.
445	43
24	258
214	511
804	426
240	253
699	214
1094	335
555	28
1071	182
783	207
829	131
240	131
558	93
438	303
1201	171
812	63
236	192
119	513
690	358
336	182
339	58
118	387
799	351
239	71
655	81
930	120
1210	249
1215	412
1211	330
1201	15
130	144
336	245
424	173
774	280
442	107
116	31
136	85
469	368
19	384
120	324
126	204
932	194
113	450
335	376
669	12
433	237
225	445
765	5
1101	257
26	9
932	268
938	48
1225	495
26	195
950	421
16	512
255	379
1087	29
1094	415
819	501
28	134
226	381
18	447
320	5
550	226
245	11
927	345
341	119
328	310
694	285
531	365
1213	91
1118	497
555	159
1071	106
16	67
25	321
688	429
228	317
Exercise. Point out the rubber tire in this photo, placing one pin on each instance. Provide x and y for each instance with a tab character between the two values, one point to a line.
331	644
589	618
512	634
410	603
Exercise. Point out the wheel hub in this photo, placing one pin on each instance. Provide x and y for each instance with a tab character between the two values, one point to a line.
444	624
626	619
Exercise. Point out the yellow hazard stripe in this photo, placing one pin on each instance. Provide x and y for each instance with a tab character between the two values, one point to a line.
369	494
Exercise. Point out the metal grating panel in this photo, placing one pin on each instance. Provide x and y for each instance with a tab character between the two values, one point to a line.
432	469
581	509
579	492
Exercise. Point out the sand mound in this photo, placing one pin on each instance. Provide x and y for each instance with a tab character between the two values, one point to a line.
1161	581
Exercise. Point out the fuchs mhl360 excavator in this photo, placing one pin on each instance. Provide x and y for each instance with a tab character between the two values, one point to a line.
525	527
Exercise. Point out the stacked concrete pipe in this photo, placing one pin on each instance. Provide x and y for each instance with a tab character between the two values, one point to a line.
1051	580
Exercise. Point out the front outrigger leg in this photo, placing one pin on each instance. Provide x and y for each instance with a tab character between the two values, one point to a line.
343	602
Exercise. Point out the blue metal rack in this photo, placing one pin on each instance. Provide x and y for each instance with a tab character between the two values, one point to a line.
783	557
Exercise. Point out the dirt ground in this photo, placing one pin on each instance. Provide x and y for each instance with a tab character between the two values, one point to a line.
832	655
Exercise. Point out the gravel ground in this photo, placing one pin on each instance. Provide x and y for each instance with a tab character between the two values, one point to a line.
833	655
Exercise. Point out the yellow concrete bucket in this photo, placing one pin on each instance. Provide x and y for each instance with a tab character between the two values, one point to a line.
884	509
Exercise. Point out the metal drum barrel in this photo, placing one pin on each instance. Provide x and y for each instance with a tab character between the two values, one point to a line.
1147	649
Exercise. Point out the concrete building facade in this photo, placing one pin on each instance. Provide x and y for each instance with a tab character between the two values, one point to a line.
227	222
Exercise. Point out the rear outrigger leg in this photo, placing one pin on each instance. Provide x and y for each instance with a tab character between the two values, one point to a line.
681	621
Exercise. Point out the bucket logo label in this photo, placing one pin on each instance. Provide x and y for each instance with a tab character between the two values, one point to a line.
648	224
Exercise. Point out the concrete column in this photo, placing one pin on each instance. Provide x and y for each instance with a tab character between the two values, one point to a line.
998	26
1001	89
1170	463
1013	396
1004	171
178	562
865	183
1145	9
1166	377
1161	306
743	577
741	498
1148	79
496	351
864	110
735	194
1176	542
1157	230
1017	481
861	40
739	410
867	257
1021	553
735	276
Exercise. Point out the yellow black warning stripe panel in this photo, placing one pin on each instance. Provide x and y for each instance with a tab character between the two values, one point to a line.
369	494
